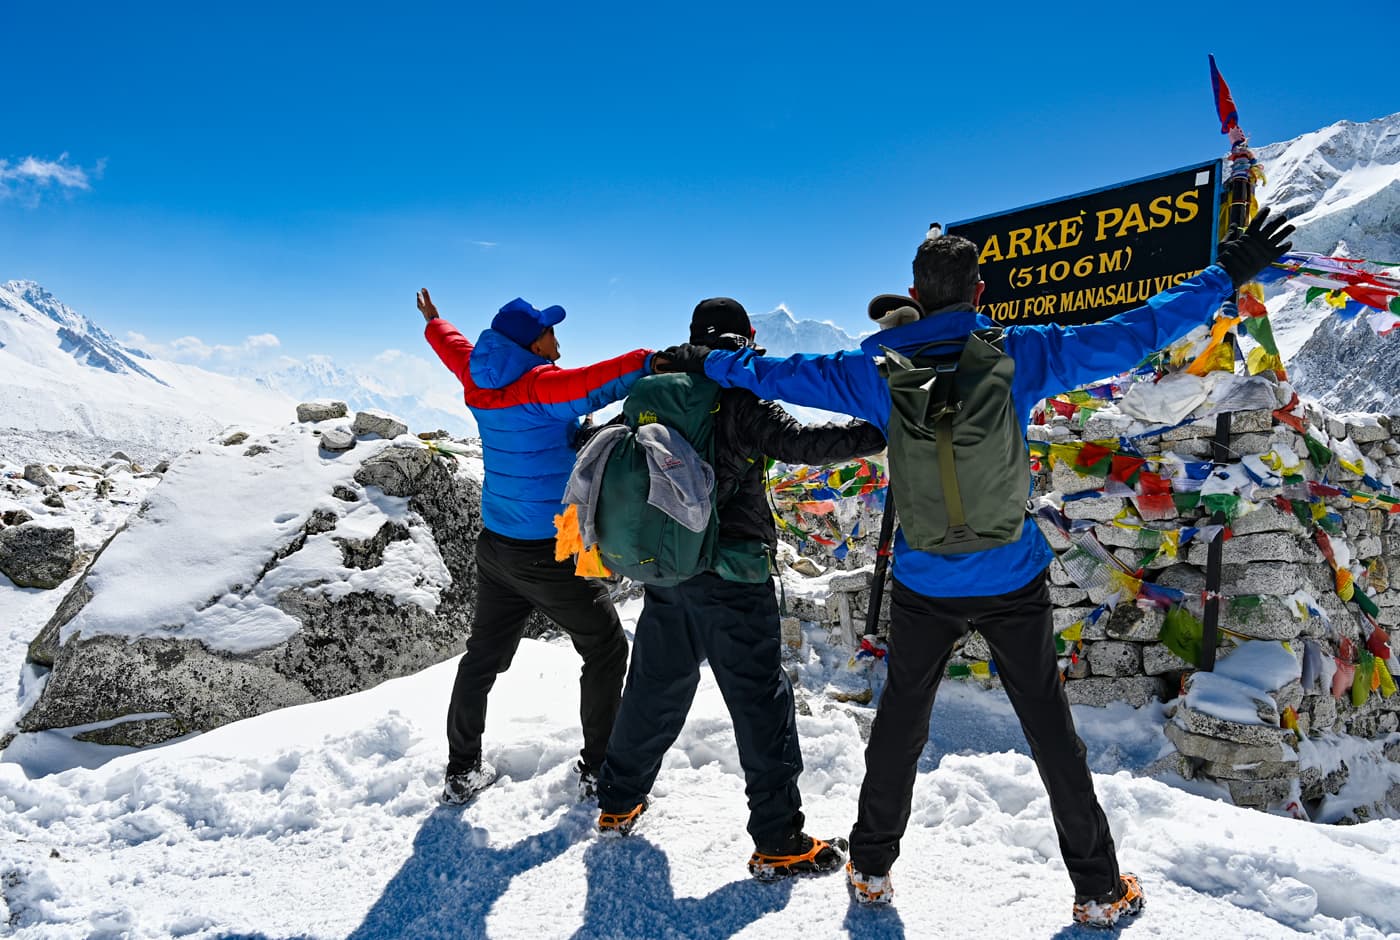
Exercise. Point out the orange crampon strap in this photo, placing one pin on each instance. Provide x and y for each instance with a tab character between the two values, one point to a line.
613	820
808	856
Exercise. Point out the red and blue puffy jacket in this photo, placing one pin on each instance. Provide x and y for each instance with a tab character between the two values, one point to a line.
527	411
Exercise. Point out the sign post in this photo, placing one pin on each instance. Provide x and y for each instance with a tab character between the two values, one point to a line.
1089	256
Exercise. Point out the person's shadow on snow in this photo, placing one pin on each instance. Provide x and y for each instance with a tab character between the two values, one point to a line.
630	897
873	922
454	877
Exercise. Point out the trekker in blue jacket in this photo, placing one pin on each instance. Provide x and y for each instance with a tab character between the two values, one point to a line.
1000	592
528	412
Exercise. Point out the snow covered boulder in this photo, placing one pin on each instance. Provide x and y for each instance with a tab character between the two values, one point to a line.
370	421
321	410
241	586
37	555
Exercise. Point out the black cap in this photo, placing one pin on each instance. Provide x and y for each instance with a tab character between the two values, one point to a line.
717	316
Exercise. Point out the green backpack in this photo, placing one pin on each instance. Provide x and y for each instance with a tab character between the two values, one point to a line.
635	538
959	473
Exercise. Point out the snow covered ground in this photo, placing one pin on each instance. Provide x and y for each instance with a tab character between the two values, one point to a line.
322	821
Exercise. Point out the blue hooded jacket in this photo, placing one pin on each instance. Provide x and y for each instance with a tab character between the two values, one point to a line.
527	410
1049	360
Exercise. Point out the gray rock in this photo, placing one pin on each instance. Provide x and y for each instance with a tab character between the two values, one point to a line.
1258	419
345	494
381	423
1067	596
1262	547
1278	578
337	439
321	410
1157	660
1210	726
1260	793
1267	518
54	501
976	647
850	581
1130	622
15	517
1260	770
395	470
1220	751
1114	659
1077	668
1101	509
1270	619
1290	695
119	455
257	450
1063	479
136	733
1136	691
34	555
1367	433
39	475
238	437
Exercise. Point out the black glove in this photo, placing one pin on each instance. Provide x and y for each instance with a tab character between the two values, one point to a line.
684	358
1245	256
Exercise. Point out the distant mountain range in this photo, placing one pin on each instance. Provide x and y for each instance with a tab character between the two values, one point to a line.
1341	186
66	381
69	387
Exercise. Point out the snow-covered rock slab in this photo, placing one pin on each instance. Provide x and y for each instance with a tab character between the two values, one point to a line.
248	583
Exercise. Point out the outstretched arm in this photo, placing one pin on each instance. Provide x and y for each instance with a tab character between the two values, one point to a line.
576	392
771	431
845	381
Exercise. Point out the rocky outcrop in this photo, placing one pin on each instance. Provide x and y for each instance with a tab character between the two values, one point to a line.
147	688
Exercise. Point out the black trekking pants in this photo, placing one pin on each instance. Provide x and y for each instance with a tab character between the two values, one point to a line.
515	576
1019	629
735	626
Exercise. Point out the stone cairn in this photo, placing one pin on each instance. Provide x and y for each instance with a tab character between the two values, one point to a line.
1273	573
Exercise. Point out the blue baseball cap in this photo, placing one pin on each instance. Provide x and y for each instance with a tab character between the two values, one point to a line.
523	323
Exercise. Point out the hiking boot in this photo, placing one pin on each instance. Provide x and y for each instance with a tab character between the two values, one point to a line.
869	889
460	788
802	855
616	825
1106	911
587	782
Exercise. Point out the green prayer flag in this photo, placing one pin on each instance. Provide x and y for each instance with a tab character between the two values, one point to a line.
1181	633
1185	501
1314	293
1263	333
1318	452
1227	503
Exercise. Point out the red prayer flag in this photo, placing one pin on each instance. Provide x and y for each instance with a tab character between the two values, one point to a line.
1224	102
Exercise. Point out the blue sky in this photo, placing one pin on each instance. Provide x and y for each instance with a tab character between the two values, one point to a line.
300	169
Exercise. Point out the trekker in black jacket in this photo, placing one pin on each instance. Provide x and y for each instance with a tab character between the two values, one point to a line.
733	624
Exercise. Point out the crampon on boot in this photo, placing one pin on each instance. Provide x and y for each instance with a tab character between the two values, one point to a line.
587	782
1127	901
869	889
803	856
459	788
616	825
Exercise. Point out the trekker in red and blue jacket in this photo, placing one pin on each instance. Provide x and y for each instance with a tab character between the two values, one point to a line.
1000	592
528	413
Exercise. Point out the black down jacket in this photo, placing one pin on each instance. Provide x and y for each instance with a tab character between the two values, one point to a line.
748	430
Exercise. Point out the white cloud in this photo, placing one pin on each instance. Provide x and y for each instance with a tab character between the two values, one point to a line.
252	352
27	178
482	244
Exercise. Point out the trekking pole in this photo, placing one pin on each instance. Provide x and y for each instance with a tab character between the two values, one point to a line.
882	564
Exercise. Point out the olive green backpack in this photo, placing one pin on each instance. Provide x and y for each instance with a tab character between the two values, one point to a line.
959	473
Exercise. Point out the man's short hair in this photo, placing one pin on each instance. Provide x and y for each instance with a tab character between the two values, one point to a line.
945	272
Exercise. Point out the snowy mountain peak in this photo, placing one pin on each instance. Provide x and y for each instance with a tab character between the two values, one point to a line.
1339	183
782	334
86	342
